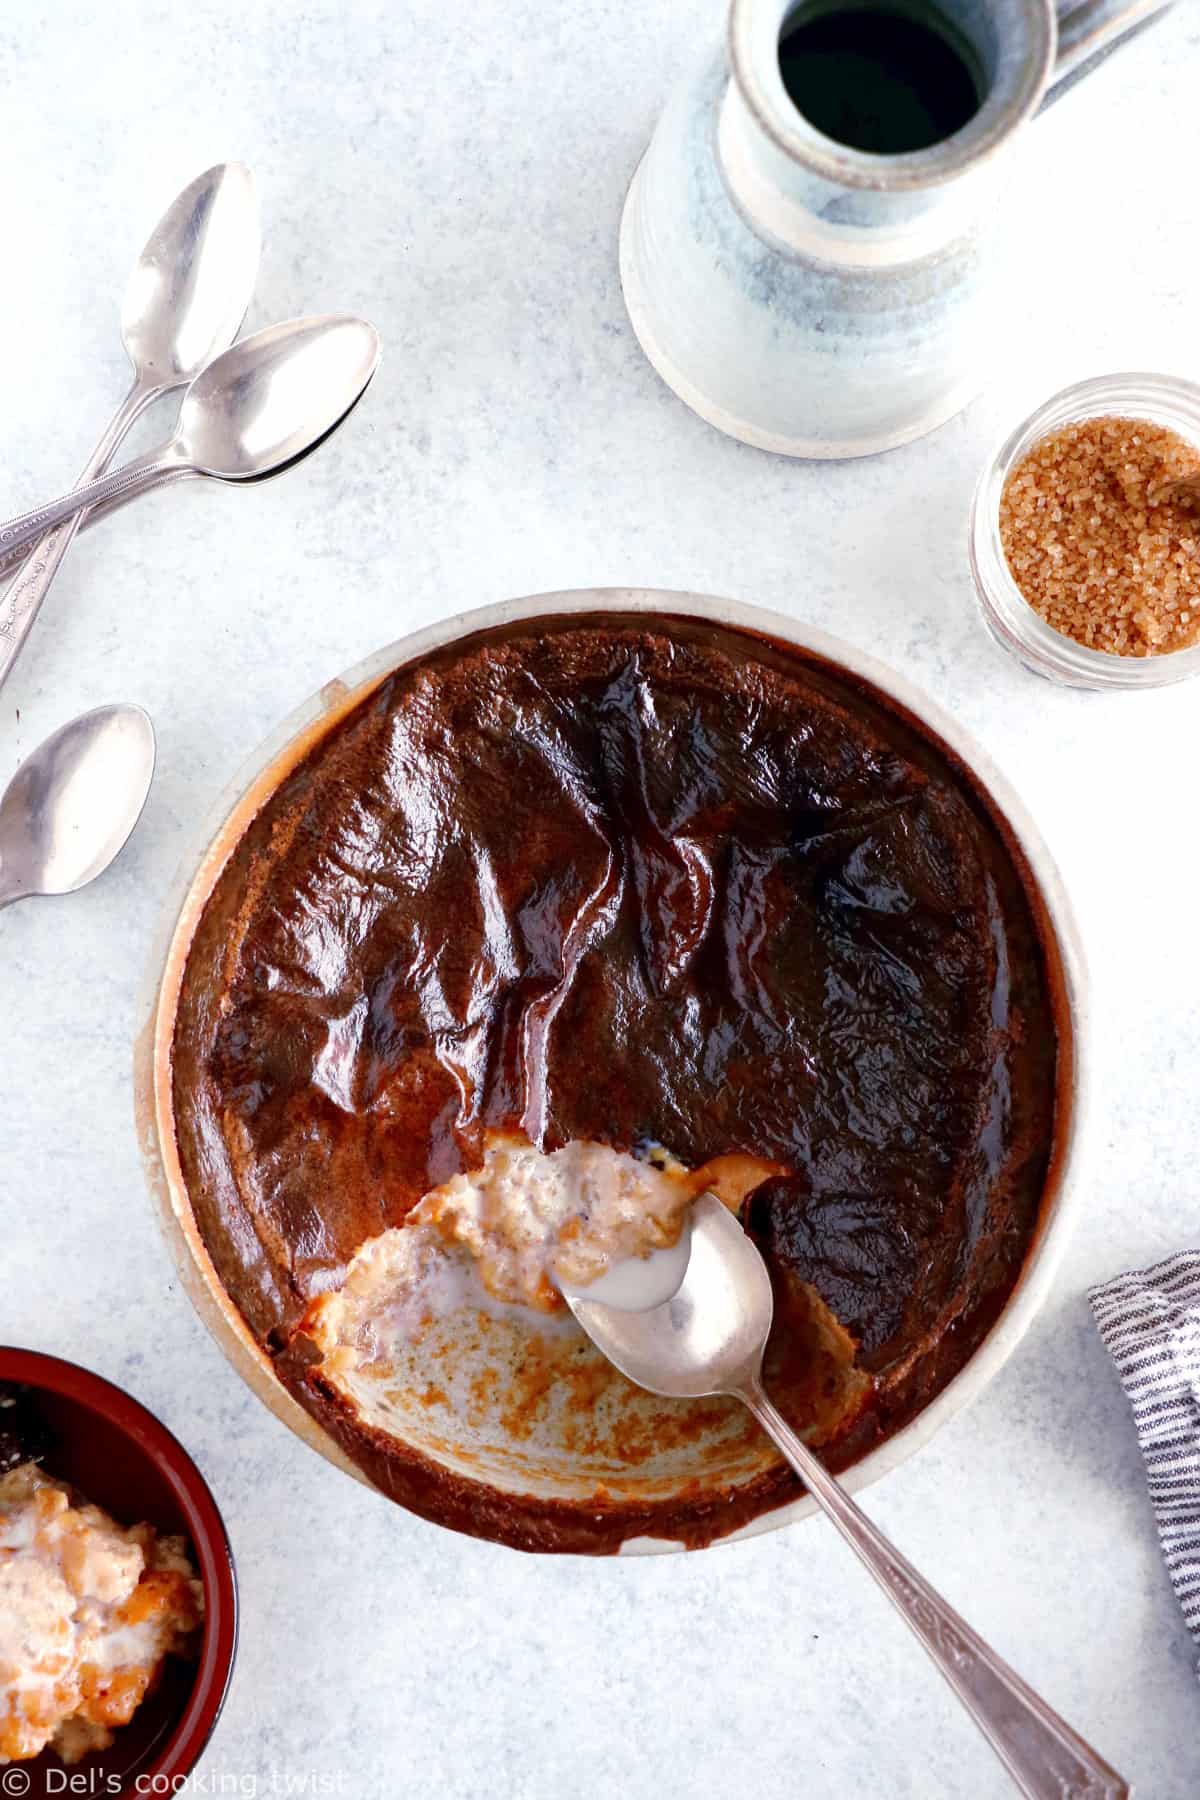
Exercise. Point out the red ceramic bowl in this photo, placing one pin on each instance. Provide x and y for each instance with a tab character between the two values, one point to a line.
120	1457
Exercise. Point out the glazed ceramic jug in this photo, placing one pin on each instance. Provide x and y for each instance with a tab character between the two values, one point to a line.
824	301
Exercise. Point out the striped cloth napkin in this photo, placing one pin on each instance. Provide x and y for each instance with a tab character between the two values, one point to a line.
1150	1322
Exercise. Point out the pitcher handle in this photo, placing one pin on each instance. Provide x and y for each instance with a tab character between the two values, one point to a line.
1089	31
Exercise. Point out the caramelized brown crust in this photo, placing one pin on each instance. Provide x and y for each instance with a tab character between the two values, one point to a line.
643	880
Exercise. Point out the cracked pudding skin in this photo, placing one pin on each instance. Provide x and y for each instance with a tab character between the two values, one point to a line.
630	879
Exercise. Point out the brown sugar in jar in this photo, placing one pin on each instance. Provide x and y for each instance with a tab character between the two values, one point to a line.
1098	541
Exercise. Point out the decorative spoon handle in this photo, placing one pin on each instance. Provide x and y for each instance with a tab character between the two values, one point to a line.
12	560
135	477
19	606
1046	1759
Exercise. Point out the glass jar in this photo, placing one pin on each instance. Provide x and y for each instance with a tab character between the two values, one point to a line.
1162	399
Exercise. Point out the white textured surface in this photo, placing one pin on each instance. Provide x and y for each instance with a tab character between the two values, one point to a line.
457	175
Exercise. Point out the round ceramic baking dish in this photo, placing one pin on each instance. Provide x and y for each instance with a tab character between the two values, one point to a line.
510	1469
120	1457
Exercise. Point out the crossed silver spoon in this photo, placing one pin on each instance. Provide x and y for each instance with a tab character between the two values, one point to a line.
248	415
253	412
185	302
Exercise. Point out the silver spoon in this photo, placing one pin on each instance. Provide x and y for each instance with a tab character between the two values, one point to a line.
71	806
709	1338
96	515
185	303
253	412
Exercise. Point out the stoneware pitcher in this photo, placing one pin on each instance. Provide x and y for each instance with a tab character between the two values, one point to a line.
820	300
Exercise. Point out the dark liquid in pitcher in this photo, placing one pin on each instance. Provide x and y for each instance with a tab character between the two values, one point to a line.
877	80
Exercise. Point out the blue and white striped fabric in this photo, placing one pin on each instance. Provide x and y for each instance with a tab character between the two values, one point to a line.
1150	1321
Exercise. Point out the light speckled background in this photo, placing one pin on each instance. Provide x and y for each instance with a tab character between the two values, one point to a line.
458	180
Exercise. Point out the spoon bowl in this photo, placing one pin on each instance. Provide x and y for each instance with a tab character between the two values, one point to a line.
191	285
71	807
709	1337
267	401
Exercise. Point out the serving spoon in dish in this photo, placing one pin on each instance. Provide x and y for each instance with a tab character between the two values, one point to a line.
71	806
257	409
708	1337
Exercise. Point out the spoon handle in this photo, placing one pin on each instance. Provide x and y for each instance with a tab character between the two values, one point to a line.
1045	1758
133	478
12	560
19	606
